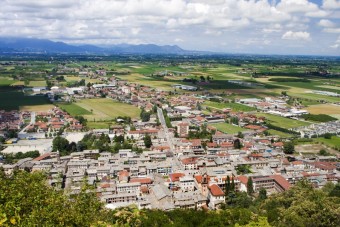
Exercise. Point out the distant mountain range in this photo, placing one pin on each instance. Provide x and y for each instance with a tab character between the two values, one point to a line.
31	45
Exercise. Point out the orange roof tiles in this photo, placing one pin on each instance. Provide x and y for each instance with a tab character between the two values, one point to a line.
281	181
145	180
216	190
175	176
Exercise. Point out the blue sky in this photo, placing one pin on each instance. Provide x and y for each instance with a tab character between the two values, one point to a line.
232	26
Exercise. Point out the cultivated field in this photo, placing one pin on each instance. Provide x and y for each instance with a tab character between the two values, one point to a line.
14	100
330	109
37	108
106	109
74	109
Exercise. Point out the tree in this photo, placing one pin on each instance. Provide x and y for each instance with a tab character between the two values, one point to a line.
147	141
262	194
237	144
250	188
60	143
327	136
240	135
145	116
227	187
288	148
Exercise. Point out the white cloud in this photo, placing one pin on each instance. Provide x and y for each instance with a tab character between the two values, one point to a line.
290	35
326	23
200	24
331	4
332	30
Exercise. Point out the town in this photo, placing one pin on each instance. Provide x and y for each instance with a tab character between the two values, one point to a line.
178	147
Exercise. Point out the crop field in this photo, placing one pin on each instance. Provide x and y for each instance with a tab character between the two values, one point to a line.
282	121
106	109
233	106
330	109
6	81
14	100
37	108
99	124
228	128
39	83
74	109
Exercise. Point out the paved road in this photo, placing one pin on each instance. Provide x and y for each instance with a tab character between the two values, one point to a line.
168	135
170	139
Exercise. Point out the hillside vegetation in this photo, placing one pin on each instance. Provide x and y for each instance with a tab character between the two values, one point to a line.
26	200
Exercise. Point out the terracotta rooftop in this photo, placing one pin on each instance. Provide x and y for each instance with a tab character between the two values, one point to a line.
281	181
216	190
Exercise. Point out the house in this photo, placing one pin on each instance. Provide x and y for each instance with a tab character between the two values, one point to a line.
216	196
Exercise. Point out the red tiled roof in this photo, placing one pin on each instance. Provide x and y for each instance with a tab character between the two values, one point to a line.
42	157
281	181
243	179
216	190
278	144
175	176
187	161
141	180
198	178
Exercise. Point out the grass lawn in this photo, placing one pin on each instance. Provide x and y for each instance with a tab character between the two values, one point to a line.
282	121
74	109
333	142
228	128
233	106
14	100
99	124
107	109
6	82
38	83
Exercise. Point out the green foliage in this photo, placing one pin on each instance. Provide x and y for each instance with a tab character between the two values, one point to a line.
60	144
145	116
302	206
288	148
318	117
11	158
250	187
26	200
243	169
147	141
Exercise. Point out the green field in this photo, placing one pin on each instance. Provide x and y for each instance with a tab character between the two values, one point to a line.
228	128
74	109
233	106
39	83
278	133
14	100
333	142
282	121
107	109
99	124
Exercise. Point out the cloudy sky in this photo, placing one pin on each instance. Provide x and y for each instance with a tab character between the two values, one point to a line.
233	26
